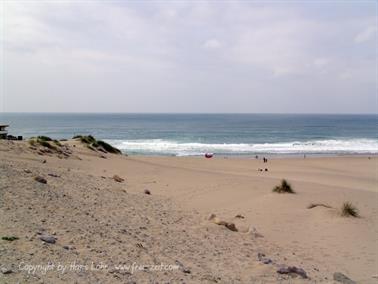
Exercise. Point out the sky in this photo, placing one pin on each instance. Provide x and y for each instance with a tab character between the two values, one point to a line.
188	56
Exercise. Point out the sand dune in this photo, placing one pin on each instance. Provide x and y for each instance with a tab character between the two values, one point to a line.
96	218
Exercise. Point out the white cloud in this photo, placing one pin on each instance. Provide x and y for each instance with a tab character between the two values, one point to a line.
280	46
127	44
366	35
321	62
345	75
212	44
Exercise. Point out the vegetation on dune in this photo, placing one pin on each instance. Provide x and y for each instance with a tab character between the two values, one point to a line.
349	210
46	144
44	141
10	239
87	139
284	187
94	144
44	138
108	148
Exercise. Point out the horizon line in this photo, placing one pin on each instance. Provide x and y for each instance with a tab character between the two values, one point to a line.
184	113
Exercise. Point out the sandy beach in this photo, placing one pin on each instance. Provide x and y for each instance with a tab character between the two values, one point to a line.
96	219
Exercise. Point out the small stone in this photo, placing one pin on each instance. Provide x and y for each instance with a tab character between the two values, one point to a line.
146	191
211	217
118	179
266	261
27	171
5	270
261	257
342	278
239	216
54	175
48	239
231	226
292	270
40	179
44	162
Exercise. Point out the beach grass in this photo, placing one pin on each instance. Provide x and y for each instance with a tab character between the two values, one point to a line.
93	144
44	138
284	187
349	210
44	141
9	239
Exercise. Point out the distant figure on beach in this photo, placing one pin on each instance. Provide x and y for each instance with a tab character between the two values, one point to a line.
304	156
256	157
265	160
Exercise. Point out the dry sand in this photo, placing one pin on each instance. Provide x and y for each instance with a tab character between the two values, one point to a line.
96	219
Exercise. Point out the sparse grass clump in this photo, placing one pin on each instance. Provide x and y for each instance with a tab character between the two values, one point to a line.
284	187
87	139
94	144
349	210
45	142
10	239
44	138
108	148
32	142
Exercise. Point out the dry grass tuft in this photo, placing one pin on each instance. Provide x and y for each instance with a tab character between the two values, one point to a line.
284	187
349	210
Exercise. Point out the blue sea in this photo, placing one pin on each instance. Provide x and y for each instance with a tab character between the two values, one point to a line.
195	134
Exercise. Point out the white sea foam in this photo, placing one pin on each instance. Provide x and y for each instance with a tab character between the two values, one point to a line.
159	146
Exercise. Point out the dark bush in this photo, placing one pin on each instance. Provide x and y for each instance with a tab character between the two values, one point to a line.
349	210
44	138
284	187
108	148
93	144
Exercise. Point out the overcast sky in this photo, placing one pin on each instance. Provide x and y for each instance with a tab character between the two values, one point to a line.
198	56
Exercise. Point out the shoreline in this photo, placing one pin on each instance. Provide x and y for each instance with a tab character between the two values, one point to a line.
260	156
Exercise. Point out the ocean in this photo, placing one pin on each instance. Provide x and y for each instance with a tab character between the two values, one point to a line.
196	134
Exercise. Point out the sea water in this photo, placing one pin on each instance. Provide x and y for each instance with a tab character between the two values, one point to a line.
195	134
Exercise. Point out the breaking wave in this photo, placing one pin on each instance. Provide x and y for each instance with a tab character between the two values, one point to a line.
171	147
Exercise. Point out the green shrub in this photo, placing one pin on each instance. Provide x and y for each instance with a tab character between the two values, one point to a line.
46	144
56	142
10	239
349	210
32	142
44	138
87	139
91	148
108	148
94	144
284	187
